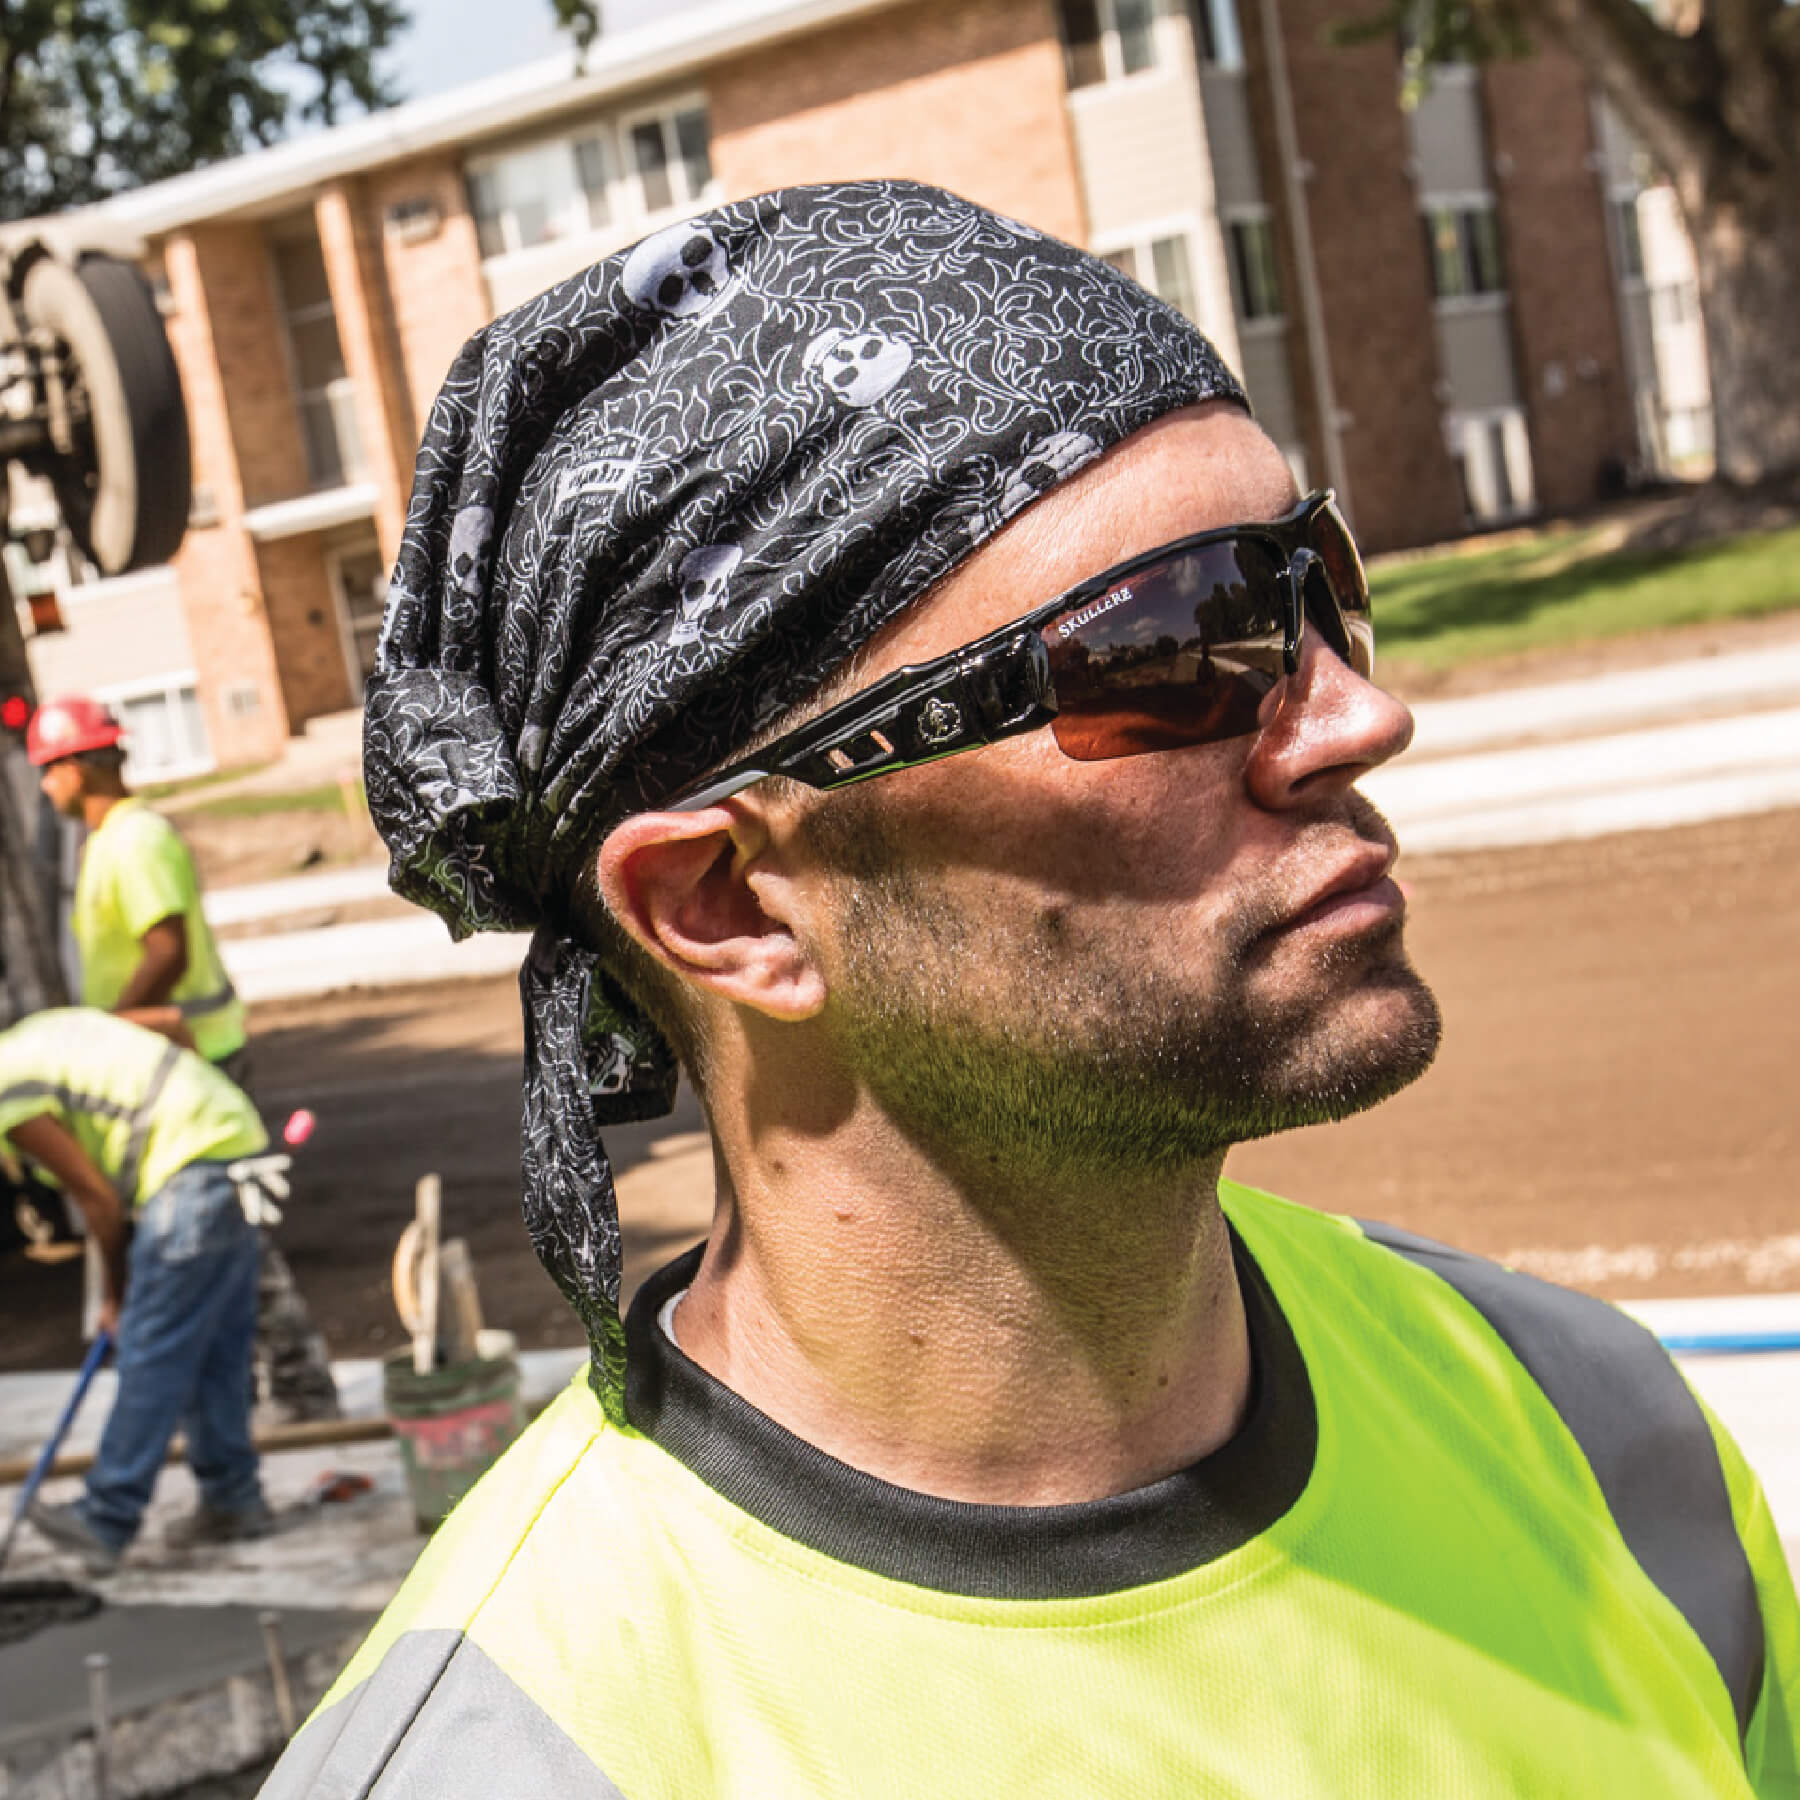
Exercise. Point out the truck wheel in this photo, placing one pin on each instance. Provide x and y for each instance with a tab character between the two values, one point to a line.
126	489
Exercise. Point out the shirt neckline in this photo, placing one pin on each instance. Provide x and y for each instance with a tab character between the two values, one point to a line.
1182	1522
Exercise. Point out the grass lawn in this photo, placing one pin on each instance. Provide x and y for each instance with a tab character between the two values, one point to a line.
195	784
292	800
1568	587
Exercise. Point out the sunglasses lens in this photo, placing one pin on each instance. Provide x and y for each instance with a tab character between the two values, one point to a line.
1180	653
1349	582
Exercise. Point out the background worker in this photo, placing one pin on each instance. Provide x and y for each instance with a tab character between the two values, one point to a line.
145	945
132	1126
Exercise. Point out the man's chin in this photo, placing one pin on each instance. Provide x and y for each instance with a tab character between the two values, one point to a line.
1382	1038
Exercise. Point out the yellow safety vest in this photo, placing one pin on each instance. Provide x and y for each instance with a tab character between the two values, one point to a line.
1475	1539
136	872
139	1106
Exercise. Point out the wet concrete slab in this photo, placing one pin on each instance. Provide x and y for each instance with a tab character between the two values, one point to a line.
191	1694
154	1654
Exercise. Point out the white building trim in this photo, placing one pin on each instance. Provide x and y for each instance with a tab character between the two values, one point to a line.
323	511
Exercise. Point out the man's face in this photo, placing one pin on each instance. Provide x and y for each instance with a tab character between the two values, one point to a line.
62	786
1135	963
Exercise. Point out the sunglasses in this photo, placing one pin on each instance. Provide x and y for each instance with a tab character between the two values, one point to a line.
1174	648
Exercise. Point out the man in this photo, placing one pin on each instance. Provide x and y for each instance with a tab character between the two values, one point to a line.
135	1128
138	919
148	952
989	849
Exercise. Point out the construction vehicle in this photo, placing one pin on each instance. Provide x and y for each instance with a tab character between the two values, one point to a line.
91	405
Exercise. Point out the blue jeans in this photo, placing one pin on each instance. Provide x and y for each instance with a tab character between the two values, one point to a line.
185	1334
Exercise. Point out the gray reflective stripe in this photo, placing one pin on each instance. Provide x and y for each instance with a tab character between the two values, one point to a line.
1643	1435
341	1753
103	1106
143	1116
440	1718
206	1003
68	1098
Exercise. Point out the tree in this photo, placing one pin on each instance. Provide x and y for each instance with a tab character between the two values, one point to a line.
101	95
580	19
97	96
1712	90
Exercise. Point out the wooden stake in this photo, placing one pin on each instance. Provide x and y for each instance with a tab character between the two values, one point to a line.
461	1334
428	1201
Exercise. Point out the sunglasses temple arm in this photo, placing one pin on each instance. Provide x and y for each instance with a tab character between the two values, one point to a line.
910	718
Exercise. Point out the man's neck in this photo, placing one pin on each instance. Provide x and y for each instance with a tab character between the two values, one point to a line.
96	806
979	1341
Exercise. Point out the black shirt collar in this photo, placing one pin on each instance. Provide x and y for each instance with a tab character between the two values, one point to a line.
1192	1517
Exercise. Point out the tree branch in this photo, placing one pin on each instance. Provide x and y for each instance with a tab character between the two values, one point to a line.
1751	78
1665	85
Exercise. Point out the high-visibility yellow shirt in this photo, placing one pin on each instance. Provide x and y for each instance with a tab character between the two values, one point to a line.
136	872
140	1107
1475	1540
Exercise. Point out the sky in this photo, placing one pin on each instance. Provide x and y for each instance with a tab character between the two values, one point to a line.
456	41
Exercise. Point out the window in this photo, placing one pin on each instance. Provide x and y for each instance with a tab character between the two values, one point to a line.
1492	452
1463	243
1627	238
1674	306
1216	39
1106	40
597	169
359	575
1254	270
489	211
324	394
165	731
1135	23
616	173
1688	433
1164	266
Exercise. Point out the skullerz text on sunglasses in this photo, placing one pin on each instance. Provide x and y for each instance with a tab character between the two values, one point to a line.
1176	647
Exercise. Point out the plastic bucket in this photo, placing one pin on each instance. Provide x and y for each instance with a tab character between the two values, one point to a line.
452	1425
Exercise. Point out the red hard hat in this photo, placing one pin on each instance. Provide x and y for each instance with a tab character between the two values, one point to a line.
68	726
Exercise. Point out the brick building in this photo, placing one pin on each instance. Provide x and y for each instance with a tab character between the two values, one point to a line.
1432	310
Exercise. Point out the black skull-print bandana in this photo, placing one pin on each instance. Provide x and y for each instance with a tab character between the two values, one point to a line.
656	506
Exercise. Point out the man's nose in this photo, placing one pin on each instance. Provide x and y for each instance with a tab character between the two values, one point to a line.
1330	728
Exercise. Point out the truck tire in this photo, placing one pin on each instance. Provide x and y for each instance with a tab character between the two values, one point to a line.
125	495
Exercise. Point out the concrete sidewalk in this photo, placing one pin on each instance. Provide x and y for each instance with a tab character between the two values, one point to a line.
191	1692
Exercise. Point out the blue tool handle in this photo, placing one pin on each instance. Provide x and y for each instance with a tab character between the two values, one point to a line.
1740	1343
90	1367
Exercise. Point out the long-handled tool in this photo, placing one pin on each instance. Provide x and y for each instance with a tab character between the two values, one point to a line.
90	1367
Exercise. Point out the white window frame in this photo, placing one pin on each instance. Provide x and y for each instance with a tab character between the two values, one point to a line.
1226	34
1263	324
1473	200
339	393
569	215
1619	197
1141	241
1463	427
336	555
167	687
1112	54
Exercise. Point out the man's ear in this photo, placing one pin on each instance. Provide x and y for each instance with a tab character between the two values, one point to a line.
706	894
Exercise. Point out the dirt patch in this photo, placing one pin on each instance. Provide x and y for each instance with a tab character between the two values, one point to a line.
1614	1103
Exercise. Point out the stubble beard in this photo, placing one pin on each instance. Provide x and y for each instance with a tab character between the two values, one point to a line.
1050	1058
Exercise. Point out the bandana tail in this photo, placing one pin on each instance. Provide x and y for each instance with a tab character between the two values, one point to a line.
570	1206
